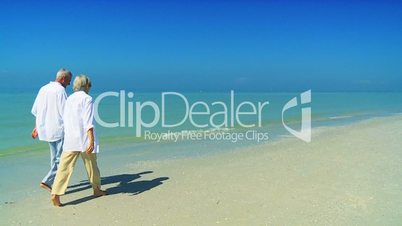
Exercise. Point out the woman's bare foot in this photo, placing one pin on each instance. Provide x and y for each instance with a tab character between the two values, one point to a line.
56	201
98	192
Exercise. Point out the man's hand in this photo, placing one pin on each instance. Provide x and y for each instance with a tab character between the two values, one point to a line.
34	133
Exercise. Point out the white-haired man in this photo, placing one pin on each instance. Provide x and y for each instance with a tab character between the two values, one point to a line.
48	110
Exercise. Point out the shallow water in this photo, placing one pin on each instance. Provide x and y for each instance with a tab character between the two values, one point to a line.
16	121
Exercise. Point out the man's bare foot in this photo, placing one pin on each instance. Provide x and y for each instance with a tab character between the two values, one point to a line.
98	192
56	201
45	186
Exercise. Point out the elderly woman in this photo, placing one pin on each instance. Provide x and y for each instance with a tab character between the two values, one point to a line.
79	139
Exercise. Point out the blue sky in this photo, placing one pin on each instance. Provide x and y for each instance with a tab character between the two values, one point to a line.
204	45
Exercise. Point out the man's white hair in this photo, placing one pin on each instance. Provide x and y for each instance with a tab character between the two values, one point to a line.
81	83
62	73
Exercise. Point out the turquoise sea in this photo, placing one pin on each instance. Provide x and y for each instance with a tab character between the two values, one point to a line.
328	109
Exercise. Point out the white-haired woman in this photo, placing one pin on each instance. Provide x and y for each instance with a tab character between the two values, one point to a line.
79	139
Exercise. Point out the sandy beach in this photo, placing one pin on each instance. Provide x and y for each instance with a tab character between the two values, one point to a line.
347	175
237	113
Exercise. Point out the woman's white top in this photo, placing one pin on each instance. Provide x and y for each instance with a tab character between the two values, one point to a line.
78	118
48	111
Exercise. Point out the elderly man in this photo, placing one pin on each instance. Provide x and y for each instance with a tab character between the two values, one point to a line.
48	110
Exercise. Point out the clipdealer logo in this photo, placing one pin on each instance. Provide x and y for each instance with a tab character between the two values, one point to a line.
219	123
305	132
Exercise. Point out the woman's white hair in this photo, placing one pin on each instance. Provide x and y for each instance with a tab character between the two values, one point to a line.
82	83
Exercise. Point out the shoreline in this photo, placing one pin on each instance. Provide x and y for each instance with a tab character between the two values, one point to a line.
39	148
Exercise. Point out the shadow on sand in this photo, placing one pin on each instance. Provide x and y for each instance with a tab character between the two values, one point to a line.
126	184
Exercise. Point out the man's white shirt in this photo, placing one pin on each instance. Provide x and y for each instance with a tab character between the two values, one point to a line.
48	109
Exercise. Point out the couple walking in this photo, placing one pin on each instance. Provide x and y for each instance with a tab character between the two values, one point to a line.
67	124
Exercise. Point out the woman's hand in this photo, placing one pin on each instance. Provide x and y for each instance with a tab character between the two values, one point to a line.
90	148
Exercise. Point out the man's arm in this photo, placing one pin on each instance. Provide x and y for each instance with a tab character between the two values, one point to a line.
34	111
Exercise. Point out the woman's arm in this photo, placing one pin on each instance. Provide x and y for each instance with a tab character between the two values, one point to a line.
90	148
